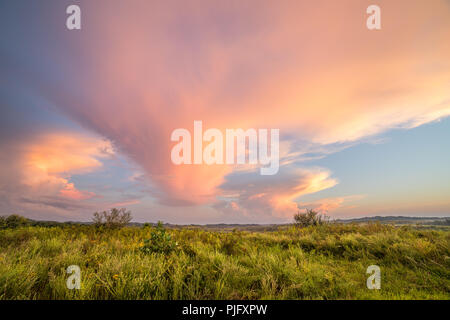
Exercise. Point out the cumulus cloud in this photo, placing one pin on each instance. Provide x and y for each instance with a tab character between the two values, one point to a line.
36	171
253	195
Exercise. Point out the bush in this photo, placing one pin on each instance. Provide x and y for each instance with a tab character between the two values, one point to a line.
160	241
112	219
13	221
309	218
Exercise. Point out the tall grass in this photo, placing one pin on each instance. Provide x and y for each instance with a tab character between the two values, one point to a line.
321	262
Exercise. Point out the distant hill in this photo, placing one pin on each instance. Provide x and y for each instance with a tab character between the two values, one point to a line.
400	220
396	220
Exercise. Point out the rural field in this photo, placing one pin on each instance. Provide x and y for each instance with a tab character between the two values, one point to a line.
327	261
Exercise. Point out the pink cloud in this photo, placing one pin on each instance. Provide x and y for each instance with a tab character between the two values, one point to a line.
329	205
37	173
310	69
70	192
125	203
252	195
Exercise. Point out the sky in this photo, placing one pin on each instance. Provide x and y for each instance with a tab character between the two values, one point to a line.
86	115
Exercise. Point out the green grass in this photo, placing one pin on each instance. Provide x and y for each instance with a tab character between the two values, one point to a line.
324	262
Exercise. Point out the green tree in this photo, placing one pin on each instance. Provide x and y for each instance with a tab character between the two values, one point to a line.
309	218
13	221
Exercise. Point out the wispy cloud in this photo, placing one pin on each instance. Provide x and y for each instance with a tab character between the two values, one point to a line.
329	205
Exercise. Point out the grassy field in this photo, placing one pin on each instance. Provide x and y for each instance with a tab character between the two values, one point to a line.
321	262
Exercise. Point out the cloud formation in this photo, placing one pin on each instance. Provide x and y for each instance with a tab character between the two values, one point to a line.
329	205
37	170
310	69
253	195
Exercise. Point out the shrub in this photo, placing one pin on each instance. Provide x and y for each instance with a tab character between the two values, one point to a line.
113	219
309	218
160	241
13	221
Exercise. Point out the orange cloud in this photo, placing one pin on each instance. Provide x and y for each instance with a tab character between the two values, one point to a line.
252	195
50	160
328	205
69	191
37	170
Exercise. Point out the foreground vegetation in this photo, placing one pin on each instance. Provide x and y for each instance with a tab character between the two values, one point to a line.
326	261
